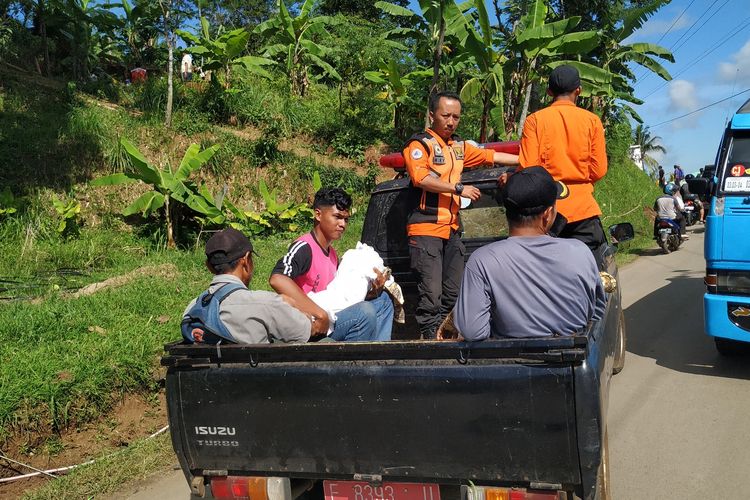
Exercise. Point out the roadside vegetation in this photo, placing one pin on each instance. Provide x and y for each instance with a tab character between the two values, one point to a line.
117	184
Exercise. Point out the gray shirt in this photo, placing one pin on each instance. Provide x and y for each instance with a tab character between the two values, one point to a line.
259	317
666	207
529	287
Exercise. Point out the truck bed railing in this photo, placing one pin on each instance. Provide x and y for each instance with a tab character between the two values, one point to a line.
544	349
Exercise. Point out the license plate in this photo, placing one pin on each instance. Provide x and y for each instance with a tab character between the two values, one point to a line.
354	490
663	231
689	208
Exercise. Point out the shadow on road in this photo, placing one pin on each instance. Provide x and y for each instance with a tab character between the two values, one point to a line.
648	252
667	325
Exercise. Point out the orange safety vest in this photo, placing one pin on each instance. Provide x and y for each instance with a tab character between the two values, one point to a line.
435	214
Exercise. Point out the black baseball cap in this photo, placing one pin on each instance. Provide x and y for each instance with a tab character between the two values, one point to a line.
532	190
227	245
564	79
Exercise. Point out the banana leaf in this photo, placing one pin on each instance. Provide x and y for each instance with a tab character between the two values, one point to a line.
146	204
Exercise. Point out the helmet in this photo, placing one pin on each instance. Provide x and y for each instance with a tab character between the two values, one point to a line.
689	176
670	188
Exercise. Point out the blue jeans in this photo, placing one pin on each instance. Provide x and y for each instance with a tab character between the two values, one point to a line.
366	321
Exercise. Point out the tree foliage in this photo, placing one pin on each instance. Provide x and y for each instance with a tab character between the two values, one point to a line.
298	44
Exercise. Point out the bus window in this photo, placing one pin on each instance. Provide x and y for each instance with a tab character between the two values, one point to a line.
736	178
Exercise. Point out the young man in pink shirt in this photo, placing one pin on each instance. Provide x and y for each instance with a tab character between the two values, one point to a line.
310	265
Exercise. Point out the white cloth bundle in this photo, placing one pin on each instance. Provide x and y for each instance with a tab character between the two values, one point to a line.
352	281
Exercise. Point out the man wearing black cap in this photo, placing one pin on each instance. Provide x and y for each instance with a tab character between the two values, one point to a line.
569	142
530	284
245	316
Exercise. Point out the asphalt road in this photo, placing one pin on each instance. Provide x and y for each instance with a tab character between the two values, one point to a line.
676	425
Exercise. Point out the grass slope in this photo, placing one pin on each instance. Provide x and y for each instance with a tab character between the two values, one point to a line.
624	195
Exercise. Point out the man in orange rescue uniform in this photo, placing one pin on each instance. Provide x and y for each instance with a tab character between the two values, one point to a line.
435	159
569	142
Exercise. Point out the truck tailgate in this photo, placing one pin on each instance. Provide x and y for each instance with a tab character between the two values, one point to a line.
509	419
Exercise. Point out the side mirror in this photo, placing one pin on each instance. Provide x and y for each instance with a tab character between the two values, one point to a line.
621	232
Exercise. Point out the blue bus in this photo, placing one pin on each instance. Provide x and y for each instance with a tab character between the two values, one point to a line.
727	244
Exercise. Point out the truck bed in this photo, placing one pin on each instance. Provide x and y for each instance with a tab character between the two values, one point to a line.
498	411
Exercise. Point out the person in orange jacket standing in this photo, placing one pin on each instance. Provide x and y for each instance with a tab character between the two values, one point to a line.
568	141
434	161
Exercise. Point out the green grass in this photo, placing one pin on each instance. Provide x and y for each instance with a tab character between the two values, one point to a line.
622	195
107	474
72	357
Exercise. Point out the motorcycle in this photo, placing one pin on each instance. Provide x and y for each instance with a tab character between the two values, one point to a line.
691	212
668	235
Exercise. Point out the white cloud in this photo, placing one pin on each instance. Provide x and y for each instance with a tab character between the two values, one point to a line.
682	96
660	26
738	69
683	99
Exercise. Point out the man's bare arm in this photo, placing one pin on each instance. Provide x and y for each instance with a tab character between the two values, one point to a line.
286	286
500	158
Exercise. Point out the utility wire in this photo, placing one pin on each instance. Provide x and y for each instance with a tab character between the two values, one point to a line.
739	29
675	22
647	74
699	109
699	27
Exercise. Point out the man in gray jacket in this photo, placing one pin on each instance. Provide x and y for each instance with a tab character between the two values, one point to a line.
530	284
244	316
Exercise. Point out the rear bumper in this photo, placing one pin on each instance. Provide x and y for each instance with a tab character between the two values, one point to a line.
719	320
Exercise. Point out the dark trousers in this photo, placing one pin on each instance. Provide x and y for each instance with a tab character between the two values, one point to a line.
438	265
589	231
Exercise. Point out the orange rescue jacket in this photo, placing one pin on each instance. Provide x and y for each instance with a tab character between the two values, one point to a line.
569	142
435	214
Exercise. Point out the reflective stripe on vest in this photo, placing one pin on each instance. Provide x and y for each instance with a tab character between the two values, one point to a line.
446	164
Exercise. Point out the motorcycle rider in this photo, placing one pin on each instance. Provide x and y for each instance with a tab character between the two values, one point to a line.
668	207
688	196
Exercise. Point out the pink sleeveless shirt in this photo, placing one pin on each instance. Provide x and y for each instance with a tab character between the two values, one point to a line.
322	269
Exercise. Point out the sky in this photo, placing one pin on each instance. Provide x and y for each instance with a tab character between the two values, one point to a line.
711	45
710	41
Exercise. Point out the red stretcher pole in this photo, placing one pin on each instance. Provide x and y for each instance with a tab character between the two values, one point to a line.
396	160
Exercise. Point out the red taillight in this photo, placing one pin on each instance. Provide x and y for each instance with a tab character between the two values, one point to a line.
239	487
497	493
220	487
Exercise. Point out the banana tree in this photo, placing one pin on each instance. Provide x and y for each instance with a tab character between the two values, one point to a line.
224	52
167	186
396	88
532	47
439	20
138	30
296	40
616	57
83	23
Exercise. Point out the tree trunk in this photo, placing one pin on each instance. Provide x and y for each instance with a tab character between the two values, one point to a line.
526	97
397	120
437	55
170	67
525	109
485	117
170	229
45	43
